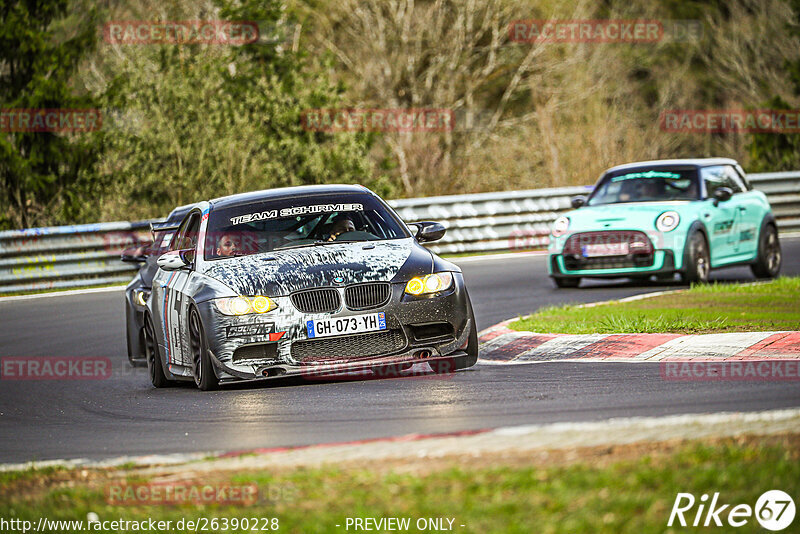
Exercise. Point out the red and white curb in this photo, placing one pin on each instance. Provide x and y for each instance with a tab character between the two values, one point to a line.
501	345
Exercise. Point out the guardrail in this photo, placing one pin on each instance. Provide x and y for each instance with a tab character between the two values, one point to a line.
84	255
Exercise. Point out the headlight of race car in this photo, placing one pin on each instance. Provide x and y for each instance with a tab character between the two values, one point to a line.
667	221
561	226
245	305
432	283
140	297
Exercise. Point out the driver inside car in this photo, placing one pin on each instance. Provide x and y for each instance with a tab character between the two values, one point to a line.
228	245
341	224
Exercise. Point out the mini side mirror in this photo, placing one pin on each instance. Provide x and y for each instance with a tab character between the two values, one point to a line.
428	231
722	194
578	201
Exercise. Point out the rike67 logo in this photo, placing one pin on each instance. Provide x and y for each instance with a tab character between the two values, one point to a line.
774	510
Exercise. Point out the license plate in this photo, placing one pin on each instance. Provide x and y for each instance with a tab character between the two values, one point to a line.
355	324
605	249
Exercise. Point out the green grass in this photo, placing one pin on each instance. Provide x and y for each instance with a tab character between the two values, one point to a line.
711	308
633	494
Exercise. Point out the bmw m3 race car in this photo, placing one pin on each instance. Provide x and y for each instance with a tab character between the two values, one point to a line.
665	217
305	281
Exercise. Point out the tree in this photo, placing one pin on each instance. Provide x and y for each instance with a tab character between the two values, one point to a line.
36	66
198	121
780	151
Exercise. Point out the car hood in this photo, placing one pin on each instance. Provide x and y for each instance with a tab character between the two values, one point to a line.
282	272
638	215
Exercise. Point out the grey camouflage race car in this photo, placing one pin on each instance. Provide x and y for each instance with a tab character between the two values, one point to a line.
304	281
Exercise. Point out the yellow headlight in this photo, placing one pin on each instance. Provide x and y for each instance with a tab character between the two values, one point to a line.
432	283
262	304
415	286
245	305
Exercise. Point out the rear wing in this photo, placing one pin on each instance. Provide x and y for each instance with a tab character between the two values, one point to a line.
157	228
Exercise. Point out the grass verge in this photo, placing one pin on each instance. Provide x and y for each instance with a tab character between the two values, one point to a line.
773	305
625	488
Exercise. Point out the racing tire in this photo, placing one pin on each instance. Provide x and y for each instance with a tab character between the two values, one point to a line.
155	367
768	261
698	260
202	367
562	283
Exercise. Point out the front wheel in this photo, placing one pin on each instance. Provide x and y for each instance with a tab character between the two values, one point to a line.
768	262
203	370
698	260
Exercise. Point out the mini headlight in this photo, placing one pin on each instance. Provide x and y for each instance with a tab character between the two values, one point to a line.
667	221
561	226
244	305
432	283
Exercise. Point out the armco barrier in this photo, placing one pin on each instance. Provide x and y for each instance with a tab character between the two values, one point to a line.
81	255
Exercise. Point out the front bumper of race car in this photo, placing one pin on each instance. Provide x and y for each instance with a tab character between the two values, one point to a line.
431	329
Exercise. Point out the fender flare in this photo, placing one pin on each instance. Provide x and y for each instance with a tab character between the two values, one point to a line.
768	219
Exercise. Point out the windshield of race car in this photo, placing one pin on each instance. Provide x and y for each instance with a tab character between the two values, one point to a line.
646	185
281	224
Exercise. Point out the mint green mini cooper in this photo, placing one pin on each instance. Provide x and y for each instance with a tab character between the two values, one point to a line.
658	218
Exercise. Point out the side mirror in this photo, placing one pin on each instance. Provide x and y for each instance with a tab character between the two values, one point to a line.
174	260
134	255
722	194
428	231
578	201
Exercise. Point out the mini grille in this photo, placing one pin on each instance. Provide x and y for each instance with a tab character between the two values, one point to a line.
578	263
359	346
316	300
365	296
638	242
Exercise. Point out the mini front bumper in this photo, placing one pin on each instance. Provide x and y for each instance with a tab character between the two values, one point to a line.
663	263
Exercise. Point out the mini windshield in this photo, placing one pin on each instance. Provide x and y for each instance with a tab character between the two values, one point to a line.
316	220
646	185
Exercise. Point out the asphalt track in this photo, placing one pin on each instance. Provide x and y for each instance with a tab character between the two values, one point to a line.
123	415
